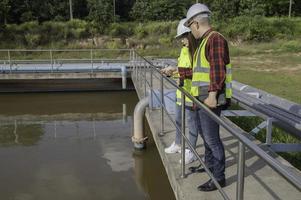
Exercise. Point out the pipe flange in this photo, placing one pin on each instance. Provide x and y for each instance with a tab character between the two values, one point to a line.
139	140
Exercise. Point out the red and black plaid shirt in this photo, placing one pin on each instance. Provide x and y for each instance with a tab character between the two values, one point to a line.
217	53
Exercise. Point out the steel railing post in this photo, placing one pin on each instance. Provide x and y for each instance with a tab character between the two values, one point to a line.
51	60
137	75
269	131
136	64
131	61
91	59
183	133
162	104
130	55
151	87
140	74
136	67
9	60
240	172
144	79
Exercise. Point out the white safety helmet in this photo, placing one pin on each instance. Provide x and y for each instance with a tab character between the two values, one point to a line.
181	28
196	9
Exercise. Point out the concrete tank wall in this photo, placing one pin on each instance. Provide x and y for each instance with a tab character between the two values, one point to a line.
56	85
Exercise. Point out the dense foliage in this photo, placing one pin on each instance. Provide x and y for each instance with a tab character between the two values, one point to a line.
145	34
25	22
101	11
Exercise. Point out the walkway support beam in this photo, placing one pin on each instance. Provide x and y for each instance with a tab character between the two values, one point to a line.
139	137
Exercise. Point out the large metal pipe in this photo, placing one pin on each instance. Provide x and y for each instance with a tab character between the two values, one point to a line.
124	76
138	136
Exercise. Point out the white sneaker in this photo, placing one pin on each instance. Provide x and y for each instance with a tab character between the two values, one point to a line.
173	148
189	157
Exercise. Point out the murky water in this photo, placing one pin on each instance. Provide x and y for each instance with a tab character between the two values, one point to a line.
75	146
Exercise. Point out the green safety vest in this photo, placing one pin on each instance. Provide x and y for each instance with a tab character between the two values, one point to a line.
184	61
201	71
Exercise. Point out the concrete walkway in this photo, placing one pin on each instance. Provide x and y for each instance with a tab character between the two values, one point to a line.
261	181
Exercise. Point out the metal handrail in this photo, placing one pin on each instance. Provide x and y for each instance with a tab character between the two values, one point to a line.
237	132
51	60
60	50
65	59
182	131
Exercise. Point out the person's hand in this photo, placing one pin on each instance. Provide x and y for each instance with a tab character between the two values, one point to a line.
211	101
168	70
163	71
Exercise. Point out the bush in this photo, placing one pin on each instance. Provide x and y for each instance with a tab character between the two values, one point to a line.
33	34
241	28
284	27
76	29
260	28
32	40
55	32
121	29
114	44
291	46
165	41
248	29
140	31
30	27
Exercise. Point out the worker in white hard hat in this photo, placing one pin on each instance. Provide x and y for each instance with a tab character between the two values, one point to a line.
184	74
211	84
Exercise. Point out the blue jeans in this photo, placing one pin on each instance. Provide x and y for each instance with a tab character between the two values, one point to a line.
214	148
192	125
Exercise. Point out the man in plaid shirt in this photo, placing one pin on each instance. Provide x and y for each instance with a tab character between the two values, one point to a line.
211	66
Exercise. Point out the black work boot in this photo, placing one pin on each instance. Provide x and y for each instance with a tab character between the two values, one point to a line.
198	169
210	186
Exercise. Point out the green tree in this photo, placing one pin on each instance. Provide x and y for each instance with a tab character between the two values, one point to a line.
281	8
252	7
123	8
4	10
80	9
223	9
144	10
168	10
141	10
101	11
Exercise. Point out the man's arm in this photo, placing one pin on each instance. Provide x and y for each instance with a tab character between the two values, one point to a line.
217	54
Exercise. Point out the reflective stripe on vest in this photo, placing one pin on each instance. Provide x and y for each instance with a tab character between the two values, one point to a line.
184	61
188	102
201	71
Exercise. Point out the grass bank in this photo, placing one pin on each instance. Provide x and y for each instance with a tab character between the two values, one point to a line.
269	66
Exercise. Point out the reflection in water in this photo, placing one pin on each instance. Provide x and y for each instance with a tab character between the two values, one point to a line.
20	134
77	150
117	158
148	168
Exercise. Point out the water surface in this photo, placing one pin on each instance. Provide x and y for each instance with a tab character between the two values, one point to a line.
75	146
